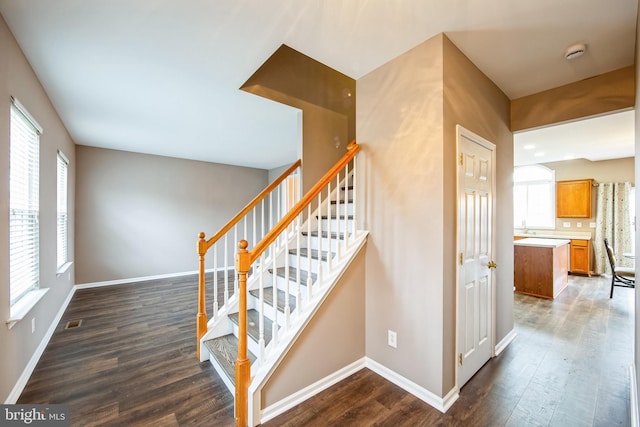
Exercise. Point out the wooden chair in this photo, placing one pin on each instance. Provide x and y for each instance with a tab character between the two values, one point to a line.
616	279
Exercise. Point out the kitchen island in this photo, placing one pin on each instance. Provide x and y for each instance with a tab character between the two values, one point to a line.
541	266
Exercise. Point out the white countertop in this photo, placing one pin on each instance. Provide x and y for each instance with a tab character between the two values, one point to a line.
543	243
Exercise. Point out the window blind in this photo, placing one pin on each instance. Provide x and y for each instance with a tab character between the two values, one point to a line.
62	172
24	230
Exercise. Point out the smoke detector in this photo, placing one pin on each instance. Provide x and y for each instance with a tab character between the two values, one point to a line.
575	51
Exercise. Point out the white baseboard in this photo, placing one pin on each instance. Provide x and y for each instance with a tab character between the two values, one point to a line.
633	398
505	341
298	397
28	370
442	404
142	279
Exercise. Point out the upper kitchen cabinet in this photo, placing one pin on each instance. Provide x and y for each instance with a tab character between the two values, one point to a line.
573	198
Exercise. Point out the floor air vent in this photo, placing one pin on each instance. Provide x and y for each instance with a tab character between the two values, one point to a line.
73	324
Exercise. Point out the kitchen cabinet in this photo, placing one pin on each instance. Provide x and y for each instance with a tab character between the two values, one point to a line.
580	257
573	198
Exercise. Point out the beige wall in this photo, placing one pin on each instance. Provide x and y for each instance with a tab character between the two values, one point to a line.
18	79
139	215
399	123
476	103
407	114
333	339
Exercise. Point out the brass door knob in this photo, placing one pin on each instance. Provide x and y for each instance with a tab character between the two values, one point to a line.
492	264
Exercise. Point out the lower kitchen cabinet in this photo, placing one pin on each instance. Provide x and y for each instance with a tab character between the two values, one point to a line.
580	257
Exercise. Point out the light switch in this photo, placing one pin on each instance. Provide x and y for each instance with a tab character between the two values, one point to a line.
566	224
579	224
592	225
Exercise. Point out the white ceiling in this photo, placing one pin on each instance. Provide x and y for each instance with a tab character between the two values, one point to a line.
162	76
599	138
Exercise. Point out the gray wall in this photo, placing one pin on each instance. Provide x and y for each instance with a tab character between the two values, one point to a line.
18	79
139	215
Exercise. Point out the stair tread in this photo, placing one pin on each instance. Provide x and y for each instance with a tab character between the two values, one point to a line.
293	274
334	235
225	350
268	298
253	325
347	187
342	202
336	216
304	252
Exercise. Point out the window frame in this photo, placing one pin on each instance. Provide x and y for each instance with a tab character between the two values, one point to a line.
24	205
527	183
62	212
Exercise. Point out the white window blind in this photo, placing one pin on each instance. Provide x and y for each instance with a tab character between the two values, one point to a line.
62	172
24	230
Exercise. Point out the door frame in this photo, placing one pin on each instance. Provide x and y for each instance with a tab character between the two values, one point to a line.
462	131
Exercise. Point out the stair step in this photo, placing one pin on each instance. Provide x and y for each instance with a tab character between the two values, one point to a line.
268	298
333	202
253	325
347	187
225	350
293	274
335	217
334	235
304	252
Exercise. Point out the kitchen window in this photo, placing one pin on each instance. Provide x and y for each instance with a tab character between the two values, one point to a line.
534	197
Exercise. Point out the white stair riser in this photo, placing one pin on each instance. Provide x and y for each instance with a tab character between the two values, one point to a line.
252	344
269	311
304	262
327	244
281	283
337	224
341	209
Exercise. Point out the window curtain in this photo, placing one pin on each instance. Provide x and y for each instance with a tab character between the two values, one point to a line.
614	223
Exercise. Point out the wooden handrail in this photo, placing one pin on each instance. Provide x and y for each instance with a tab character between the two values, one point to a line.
272	235
252	204
204	245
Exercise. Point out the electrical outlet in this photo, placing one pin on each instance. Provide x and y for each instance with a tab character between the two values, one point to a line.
566	224
392	339
579	224
33	325
592	225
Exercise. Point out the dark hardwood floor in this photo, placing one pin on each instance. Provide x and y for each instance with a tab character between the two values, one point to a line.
132	362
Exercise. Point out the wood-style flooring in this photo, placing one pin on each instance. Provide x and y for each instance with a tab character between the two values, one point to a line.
132	362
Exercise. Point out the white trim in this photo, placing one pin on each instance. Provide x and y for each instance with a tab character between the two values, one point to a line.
633	398
142	279
63	268
442	404
27	115
504	342
300	396
24	305
28	370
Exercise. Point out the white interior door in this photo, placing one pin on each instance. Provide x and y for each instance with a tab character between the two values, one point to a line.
475	263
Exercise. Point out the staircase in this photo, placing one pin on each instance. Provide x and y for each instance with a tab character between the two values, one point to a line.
293	269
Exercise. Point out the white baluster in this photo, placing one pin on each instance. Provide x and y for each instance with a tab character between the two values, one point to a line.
215	281
309	251
299	275
354	196
274	283
287	308
346	215
233	247
254	210
329	261
226	273
338	222
261	321
319	238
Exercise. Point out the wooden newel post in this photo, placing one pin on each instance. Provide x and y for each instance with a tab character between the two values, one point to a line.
201	319
243	365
